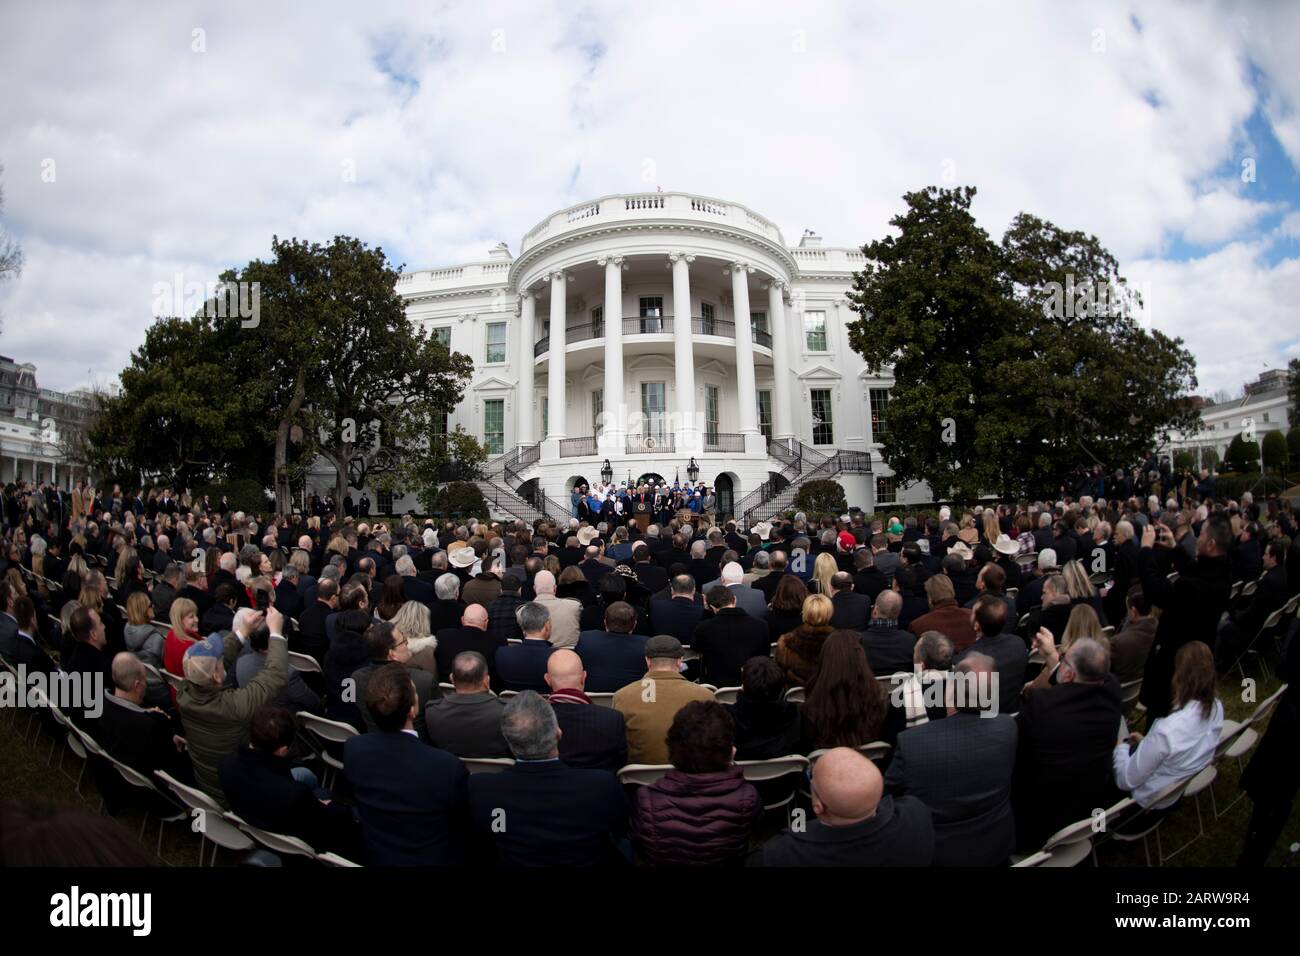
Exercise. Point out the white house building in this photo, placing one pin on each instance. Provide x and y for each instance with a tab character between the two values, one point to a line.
1263	408
33	421
650	331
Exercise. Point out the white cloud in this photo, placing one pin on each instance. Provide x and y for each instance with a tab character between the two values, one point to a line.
467	124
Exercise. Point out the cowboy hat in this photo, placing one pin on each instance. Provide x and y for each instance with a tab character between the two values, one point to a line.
587	535
1004	545
462	557
963	549
763	529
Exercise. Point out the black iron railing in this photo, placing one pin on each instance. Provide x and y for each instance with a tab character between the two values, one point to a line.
577	447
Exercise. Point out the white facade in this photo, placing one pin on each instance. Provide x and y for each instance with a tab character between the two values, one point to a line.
614	335
33	421
1264	408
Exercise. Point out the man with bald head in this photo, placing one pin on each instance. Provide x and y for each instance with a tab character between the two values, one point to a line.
889	647
565	613
856	825
141	738
470	635
594	737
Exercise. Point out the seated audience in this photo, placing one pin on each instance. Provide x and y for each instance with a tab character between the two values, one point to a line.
523	666
889	647
799	651
727	639
767	725
615	656
845	704
468	722
593	737
649	704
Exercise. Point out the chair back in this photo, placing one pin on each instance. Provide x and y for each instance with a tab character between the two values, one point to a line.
602	698
643	774
335	731
275	842
726	695
304	663
487	764
796	695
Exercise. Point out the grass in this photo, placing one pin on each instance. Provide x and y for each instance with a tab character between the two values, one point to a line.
25	773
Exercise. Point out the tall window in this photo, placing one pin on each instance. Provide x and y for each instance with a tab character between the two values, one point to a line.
758	323
494	425
598	322
708	319
652	313
597	407
886	491
385	502
546	416
496	343
443	334
765	414
439	434
814	330
823	428
711	414
879	402
654	408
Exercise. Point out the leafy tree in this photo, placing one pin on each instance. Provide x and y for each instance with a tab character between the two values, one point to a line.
457	499
1293	388
1293	446
1242	456
1013	362
1275	451
1184	459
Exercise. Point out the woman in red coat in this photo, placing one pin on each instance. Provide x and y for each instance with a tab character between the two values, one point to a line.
702	811
184	632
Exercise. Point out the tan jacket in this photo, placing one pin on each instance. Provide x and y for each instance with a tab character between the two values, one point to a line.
648	707
566	614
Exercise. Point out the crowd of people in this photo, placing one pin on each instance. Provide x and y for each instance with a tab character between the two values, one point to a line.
574	649
617	503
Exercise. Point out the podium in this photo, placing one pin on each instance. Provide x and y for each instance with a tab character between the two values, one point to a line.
641	515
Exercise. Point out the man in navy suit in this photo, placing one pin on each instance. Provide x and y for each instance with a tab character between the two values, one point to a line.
413	589
412	797
961	768
541	812
615	657
523	666
679	614
594	737
852	611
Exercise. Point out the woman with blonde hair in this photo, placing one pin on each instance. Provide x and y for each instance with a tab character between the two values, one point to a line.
799	652
824	568
184	632
78	564
1083	622
1080	588
968	532
992	530
142	637
412	622
124	556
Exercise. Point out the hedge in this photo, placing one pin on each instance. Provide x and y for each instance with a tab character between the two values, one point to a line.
459	499
821	496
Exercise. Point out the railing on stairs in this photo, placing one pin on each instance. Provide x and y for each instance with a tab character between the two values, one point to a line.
803	464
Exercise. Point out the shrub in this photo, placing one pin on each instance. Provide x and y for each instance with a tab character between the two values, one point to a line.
821	496
1293	447
1184	459
1275	451
1242	456
458	499
1230	485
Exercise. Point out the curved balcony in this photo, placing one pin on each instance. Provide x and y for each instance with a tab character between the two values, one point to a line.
651	325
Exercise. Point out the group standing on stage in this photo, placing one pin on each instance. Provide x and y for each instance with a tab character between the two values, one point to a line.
617	504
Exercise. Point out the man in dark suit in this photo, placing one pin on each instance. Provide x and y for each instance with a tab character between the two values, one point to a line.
287	599
267	791
615	656
523	666
142	739
852	611
471	635
572	553
700	567
18	634
468	722
593	737
961	769
652	577
777	568
856	825
593	568
676	553
554	814
195	590
312	638
1125	571
503	623
386	647
413	589
1190	606
728	639
889	647
679	612
1270	594
1067	737
412	797
1007	649
869	581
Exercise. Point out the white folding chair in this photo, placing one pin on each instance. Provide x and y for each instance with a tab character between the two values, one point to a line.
333	859
601	699
304	663
763	771
1140	828
327	732
1068	846
213	824
796	695
275	842
1129	692
876	751
174	681
726	695
487	764
73	740
643	774
1041	858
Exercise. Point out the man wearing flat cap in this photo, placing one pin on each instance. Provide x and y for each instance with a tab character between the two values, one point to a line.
649	705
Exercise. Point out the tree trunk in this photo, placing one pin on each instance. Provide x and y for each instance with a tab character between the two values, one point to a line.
340	463
283	502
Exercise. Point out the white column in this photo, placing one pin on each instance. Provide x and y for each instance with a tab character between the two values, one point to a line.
745	357
688	432
782	414
524	400
614	415
555	386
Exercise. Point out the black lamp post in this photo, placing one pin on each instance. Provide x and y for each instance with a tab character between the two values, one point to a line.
693	471
607	472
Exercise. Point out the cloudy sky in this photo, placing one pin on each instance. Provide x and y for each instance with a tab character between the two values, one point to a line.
144	141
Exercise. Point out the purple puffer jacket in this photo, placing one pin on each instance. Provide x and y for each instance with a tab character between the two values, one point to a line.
695	819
